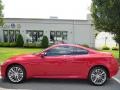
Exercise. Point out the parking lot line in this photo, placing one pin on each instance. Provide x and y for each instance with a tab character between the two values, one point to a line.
117	80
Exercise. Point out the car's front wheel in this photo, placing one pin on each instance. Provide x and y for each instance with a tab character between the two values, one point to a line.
98	76
16	74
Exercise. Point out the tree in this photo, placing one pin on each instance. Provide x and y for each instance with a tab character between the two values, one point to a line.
1	14
44	42
106	17
19	41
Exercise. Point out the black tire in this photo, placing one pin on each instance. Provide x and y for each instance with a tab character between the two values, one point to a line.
20	70
98	77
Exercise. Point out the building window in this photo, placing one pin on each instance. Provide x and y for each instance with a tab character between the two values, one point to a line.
5	35
52	36
64	35
58	35
10	35
17	32
34	36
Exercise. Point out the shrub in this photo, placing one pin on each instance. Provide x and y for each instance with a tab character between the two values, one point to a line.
114	48
1	44
6	44
13	44
19	41
85	45
105	48
44	42
31	45
25	45
38	45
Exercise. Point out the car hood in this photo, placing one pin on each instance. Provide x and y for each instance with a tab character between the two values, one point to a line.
22	57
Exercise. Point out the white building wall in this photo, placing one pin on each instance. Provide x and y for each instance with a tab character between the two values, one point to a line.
47	28
82	34
1	35
79	31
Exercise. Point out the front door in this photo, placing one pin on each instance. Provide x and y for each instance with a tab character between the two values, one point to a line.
55	60
61	61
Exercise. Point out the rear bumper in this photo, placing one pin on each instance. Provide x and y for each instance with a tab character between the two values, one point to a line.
114	68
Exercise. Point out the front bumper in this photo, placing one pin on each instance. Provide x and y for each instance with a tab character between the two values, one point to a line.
2	71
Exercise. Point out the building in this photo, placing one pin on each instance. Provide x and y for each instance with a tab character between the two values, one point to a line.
32	30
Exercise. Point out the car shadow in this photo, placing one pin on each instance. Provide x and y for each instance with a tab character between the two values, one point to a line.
48	84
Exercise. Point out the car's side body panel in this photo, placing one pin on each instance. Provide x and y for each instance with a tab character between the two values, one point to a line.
63	66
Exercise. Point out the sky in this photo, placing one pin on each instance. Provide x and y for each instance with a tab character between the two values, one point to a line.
63	9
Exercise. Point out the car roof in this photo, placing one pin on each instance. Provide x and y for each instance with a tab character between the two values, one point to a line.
74	45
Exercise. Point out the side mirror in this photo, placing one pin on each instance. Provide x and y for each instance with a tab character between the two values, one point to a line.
42	55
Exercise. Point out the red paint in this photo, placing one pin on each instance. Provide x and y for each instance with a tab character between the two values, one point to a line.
64	66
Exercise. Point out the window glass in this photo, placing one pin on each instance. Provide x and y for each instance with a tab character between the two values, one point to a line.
64	35
60	50
10	35
58	35
34	36
79	51
6	37
52	36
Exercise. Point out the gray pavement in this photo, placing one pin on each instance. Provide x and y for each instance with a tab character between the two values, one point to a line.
53	84
118	75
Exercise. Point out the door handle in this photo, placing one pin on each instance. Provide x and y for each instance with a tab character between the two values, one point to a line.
52	62
64	60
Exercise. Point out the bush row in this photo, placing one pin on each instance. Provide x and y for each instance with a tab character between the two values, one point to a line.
115	48
84	45
32	45
6	44
107	48
26	45
20	43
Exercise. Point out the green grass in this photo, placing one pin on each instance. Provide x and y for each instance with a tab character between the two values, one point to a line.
6	53
114	52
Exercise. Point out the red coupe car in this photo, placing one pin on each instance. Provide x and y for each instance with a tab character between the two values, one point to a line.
62	61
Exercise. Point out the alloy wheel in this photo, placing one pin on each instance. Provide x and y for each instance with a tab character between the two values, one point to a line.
15	74
98	76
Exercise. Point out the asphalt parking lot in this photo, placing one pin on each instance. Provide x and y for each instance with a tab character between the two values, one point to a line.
57	84
45	84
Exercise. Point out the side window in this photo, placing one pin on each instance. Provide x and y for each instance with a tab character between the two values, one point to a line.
80	51
60	50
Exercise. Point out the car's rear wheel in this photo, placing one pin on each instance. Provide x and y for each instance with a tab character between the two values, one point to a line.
16	74
98	76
